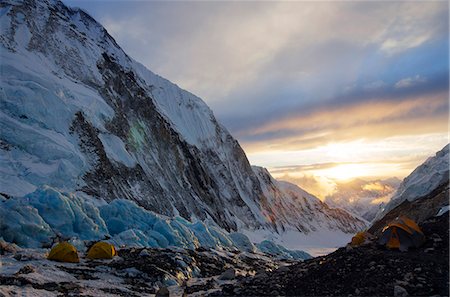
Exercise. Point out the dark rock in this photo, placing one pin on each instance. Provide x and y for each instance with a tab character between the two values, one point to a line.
229	274
364	271
144	253
163	292
400	291
26	269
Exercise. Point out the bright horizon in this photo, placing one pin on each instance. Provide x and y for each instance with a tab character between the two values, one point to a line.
329	91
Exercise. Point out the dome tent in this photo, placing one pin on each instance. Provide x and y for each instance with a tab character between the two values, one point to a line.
64	252
361	238
402	233
101	250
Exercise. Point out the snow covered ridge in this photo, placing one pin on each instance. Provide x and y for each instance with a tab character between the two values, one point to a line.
80	116
433	173
363	197
37	219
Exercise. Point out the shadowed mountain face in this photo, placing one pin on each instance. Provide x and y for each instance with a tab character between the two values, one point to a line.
427	182
80	115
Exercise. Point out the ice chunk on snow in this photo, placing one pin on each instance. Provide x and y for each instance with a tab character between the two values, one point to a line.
242	242
269	247
130	238
443	210
36	218
121	215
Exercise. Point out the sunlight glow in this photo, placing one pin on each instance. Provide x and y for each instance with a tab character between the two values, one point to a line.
318	170
345	171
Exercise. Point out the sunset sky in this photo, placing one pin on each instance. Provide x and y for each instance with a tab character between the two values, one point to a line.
322	90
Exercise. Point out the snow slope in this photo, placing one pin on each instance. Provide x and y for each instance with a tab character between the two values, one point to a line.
82	118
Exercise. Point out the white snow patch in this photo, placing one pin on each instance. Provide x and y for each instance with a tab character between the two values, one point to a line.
115	149
318	243
443	210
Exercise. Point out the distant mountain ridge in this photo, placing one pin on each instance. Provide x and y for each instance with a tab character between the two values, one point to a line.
363	197
297	208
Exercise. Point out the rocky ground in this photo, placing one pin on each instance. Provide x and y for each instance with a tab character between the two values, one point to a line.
368	270
134	272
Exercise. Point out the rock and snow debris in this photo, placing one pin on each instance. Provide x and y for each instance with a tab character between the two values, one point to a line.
132	273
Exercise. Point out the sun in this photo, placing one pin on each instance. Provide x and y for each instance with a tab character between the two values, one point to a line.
344	172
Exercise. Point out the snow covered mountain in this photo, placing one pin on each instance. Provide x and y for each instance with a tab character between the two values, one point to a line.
431	175
363	197
79	118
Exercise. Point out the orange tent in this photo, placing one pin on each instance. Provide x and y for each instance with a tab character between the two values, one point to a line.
402	233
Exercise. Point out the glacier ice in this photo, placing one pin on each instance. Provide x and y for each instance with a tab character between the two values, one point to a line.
37	218
242	242
66	214
21	224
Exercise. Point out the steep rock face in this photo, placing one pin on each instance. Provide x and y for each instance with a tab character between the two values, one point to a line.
78	114
424	180
292	206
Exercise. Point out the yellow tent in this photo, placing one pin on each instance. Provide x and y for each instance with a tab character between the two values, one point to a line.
358	239
64	252
361	238
101	250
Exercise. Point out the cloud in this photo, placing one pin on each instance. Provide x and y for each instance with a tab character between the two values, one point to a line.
374	85
320	187
375	119
410	81
295	52
381	158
